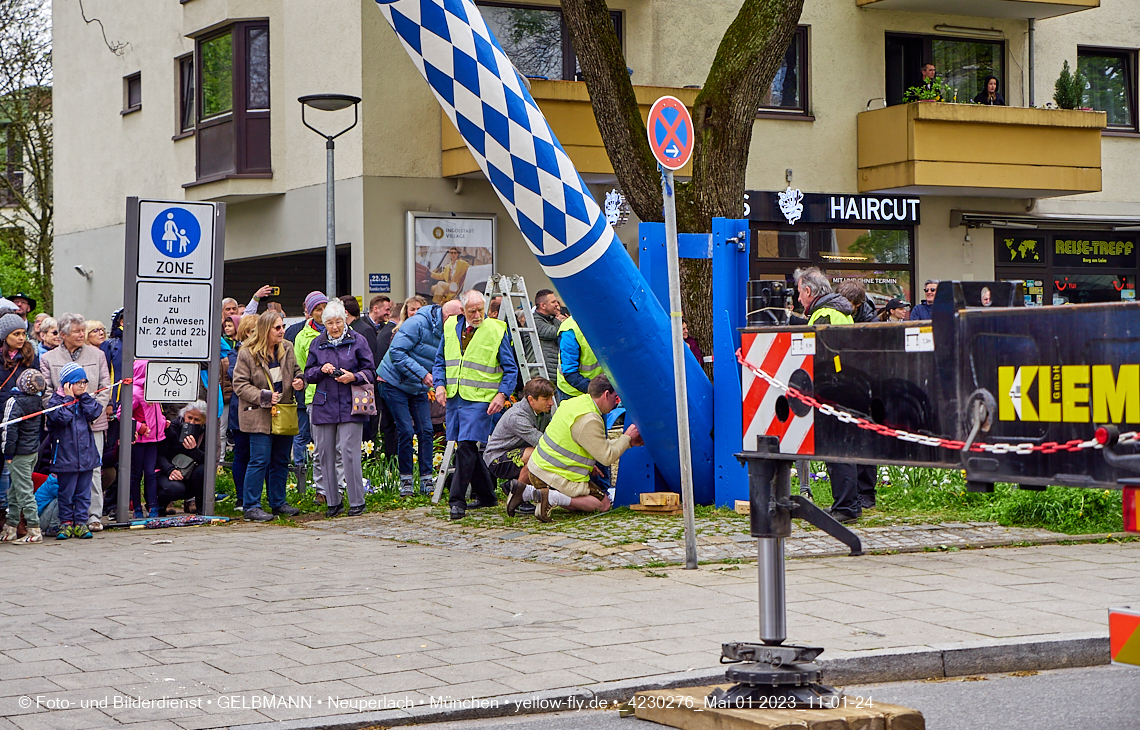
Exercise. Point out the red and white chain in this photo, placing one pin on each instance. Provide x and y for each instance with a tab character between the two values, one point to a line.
860	421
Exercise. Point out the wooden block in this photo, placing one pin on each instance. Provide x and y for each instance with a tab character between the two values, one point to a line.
661	498
685	709
743	507
652	509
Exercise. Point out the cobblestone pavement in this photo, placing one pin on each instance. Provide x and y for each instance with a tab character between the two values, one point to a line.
628	540
190	628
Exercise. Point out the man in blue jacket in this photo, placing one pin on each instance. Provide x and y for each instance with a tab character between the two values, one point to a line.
404	379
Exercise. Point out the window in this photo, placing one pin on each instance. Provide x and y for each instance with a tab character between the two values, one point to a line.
1110	84
227	88
217	76
961	63
132	93
186	94
536	39
882	259
789	91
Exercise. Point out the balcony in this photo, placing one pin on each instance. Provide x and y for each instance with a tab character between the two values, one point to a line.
928	148
566	105
1009	9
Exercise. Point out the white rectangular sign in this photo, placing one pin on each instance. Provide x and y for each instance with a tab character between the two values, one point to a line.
176	240
173	321
919	339
171	382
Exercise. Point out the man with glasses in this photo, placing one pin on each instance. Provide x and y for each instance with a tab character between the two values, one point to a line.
923	310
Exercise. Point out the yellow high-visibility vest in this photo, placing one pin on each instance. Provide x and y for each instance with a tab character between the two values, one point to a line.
474	375
557	451
588	365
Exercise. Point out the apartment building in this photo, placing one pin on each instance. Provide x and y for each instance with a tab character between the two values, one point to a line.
200	103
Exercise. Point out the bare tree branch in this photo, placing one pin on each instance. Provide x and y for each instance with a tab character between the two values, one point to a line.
116	47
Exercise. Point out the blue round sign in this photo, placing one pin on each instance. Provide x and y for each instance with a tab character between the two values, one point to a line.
175	233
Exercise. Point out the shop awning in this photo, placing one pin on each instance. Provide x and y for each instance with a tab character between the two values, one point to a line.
1008	9
972	219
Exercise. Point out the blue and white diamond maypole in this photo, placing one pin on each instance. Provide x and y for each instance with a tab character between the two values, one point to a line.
506	132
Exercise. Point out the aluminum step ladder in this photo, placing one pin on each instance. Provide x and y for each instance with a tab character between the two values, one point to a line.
513	291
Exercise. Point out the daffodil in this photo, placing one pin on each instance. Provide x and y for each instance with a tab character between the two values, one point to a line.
367	447
312	448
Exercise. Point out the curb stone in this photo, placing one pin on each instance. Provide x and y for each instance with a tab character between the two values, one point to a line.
1047	651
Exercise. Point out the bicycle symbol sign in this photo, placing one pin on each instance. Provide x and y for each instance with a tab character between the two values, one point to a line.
172	382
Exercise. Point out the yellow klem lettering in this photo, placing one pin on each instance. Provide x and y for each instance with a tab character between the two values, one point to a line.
1027	374
1048	409
1006	411
1116	400
1075	393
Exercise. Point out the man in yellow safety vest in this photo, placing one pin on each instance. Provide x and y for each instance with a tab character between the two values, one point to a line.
474	373
823	306
578	364
569	451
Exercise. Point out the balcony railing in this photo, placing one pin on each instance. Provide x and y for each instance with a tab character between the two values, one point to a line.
566	105
1023	9
991	151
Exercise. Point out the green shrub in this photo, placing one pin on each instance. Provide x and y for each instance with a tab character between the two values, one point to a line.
1069	89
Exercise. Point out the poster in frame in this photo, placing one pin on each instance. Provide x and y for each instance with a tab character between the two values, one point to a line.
449	253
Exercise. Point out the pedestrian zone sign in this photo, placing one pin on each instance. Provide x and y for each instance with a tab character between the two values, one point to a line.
176	240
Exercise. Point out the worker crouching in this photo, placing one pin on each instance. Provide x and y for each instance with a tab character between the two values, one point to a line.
565	462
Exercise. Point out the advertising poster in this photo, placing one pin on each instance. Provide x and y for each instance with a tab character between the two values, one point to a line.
451	254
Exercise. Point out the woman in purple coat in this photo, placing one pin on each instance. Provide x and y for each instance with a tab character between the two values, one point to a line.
338	359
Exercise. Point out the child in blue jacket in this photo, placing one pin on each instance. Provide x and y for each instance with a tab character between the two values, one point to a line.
74	454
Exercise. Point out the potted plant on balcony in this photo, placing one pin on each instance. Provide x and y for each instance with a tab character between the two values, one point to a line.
1069	89
936	90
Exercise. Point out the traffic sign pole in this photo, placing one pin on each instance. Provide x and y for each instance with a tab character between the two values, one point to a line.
670	131
213	379
126	392
175	261
681	389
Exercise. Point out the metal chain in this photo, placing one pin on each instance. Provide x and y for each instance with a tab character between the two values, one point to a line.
861	421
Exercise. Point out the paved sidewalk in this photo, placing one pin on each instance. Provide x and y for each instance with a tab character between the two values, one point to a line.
602	541
227	620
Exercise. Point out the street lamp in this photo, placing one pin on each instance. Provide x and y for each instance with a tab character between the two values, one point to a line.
330	103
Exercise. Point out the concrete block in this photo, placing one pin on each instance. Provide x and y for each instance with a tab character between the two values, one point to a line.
685	709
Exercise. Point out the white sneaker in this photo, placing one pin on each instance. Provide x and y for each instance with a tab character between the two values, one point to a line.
8	534
94	524
33	537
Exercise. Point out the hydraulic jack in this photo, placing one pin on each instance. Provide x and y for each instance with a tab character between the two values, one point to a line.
771	674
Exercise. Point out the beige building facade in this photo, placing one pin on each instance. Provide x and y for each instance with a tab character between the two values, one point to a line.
200	103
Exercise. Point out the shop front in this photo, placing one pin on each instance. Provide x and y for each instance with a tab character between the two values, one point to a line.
1068	266
865	237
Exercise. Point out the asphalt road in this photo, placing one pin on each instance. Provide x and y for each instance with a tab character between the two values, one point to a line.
1105	698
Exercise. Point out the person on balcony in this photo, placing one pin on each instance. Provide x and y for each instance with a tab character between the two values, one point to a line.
991	96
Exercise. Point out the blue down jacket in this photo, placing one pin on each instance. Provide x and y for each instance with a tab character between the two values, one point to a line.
413	349
72	443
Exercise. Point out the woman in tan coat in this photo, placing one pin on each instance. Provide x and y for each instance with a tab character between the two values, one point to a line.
266	374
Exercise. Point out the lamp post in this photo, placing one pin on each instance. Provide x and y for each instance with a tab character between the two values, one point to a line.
330	103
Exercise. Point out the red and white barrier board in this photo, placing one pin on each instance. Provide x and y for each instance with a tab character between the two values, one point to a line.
788	357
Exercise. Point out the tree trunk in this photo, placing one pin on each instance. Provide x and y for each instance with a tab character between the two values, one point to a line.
746	61
615	105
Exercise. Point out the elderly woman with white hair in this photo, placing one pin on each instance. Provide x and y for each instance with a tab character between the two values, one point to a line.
181	459
339	359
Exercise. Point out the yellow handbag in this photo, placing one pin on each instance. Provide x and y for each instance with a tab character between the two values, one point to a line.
284	415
